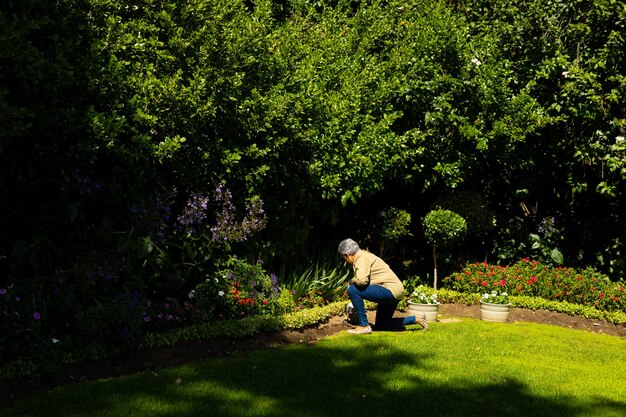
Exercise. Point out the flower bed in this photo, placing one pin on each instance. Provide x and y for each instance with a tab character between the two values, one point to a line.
530	278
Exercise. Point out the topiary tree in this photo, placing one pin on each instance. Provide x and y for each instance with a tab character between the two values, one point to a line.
395	224
441	229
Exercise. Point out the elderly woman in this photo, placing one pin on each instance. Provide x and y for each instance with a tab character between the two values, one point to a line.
374	281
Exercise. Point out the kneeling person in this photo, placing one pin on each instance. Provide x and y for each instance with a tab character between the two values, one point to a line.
374	281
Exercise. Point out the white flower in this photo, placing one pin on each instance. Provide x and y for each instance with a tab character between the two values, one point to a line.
565	74
476	61
220	293
191	294
55	341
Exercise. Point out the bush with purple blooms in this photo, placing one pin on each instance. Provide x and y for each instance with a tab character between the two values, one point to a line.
531	278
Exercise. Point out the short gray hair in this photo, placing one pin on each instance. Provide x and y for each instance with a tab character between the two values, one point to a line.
348	247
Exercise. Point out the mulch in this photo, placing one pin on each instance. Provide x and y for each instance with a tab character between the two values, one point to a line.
181	353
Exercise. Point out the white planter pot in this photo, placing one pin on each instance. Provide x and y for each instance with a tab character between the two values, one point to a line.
430	310
494	312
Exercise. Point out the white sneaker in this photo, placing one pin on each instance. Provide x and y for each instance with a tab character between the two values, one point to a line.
421	320
361	330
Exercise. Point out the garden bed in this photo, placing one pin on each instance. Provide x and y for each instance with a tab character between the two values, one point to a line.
165	356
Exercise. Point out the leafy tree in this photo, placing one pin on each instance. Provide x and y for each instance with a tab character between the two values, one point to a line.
442	228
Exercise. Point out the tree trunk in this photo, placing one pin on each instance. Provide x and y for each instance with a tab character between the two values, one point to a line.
435	264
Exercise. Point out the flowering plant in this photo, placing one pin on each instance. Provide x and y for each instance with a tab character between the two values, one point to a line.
495	298
533	279
424	295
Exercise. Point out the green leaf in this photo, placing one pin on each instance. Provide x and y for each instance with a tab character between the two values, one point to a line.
557	256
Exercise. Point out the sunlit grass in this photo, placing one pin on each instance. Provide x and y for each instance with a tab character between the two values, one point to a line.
466	368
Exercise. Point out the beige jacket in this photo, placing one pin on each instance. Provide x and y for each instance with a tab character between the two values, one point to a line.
370	269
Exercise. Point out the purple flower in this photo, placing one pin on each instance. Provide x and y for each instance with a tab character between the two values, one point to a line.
194	212
227	227
36	316
3	291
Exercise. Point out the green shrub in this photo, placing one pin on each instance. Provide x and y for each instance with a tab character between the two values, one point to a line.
446	295
285	302
246	326
240	289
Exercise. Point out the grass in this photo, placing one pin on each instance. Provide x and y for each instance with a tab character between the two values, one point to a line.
469	368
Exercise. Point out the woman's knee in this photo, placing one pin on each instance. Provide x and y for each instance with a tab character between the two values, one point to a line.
353	290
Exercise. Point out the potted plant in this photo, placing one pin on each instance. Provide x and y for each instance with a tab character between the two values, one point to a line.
424	300
495	306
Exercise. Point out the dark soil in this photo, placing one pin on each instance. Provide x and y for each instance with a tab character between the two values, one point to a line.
189	351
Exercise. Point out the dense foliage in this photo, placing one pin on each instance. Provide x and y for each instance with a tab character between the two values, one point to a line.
144	144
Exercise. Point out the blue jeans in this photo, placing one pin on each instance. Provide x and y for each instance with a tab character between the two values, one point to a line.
387	304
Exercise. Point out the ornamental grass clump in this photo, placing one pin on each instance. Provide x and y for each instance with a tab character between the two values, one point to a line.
530	278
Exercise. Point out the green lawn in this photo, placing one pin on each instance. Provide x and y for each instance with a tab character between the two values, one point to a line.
467	368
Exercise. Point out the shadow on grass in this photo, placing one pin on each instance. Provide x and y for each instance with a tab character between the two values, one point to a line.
365	377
